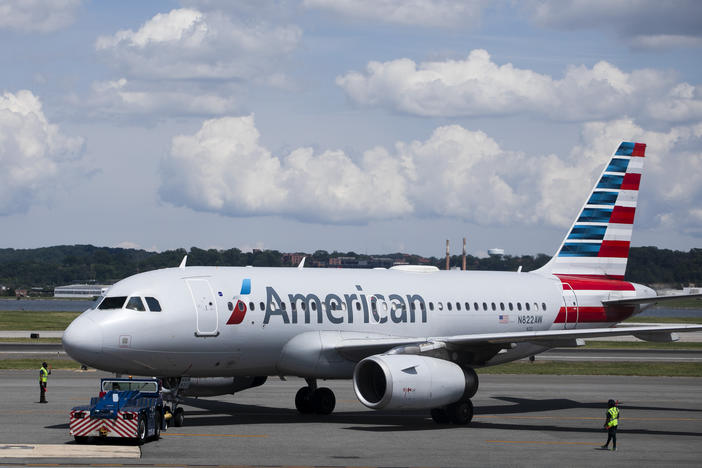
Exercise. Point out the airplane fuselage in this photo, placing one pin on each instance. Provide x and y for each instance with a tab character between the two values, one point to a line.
229	321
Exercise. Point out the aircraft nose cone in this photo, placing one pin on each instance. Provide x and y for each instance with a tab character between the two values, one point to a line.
82	340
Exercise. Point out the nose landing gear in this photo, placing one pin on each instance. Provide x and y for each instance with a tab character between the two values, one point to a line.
311	399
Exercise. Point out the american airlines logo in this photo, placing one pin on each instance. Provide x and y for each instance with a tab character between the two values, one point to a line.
344	308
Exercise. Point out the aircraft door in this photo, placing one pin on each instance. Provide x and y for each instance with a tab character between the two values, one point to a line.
571	306
205	307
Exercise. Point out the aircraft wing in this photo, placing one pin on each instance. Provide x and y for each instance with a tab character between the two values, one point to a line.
652	300
356	348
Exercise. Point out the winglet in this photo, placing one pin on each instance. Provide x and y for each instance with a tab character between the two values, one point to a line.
182	263
302	263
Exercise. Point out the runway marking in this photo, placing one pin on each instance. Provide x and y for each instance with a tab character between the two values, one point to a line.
544	442
212	435
67	451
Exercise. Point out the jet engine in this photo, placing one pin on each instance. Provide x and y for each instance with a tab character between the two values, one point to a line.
211	386
411	381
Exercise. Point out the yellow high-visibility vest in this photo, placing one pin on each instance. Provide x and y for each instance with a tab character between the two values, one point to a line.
43	375
613	416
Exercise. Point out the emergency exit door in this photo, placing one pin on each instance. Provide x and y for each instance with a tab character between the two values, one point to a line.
571	306
206	323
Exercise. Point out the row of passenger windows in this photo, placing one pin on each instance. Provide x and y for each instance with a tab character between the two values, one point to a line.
502	306
134	303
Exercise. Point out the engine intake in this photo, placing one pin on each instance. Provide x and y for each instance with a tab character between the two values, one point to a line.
411	381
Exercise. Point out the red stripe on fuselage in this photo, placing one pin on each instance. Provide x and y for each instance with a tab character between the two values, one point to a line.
594	283
594	314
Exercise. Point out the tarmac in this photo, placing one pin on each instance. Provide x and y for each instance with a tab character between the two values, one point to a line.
521	420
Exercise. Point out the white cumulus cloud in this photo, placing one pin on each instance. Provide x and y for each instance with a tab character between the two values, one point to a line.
186	44
42	16
432	13
33	152
456	173
477	86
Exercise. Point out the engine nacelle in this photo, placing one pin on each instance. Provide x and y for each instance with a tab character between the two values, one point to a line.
411	381
211	386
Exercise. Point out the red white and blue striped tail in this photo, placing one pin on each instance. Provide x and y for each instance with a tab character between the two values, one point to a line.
598	242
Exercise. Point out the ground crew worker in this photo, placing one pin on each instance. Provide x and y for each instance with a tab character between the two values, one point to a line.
43	378
611	424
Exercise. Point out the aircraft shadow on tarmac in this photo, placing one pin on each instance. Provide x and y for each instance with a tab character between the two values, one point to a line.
218	413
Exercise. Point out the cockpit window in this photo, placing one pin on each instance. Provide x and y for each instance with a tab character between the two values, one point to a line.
114	302
154	306
135	303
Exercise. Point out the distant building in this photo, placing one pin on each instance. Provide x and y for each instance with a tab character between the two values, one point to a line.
496	252
81	290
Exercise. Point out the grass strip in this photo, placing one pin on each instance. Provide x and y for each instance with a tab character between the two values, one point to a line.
35	363
639	319
675	345
652	369
33	320
31	340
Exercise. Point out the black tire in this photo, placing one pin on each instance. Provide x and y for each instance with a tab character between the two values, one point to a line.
461	412
303	400
323	401
440	416
158	420
81	439
178	417
141	431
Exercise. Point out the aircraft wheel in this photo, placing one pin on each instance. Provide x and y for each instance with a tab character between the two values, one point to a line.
440	416
178	417
141	431
461	412
323	400
303	400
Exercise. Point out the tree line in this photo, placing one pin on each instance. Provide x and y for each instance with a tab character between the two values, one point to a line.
48	267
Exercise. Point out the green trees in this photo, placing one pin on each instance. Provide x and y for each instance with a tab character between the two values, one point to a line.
47	267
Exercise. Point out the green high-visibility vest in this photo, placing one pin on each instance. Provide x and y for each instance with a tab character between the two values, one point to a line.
613	416
43	375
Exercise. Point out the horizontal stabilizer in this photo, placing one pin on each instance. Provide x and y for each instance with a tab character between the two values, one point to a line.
651	300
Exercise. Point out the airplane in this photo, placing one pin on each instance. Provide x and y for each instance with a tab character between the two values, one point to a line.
409	337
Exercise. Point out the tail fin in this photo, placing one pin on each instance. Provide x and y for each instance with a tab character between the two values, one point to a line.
598	241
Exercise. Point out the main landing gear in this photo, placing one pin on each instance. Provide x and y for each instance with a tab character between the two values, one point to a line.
460	413
311	399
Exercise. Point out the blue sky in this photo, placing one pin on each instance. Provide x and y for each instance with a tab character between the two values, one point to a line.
372	126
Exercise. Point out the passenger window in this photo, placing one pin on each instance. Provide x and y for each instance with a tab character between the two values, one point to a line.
458	306
230	306
543	306
241	306
252	306
153	304
115	302
502	306
484	305
519	306
526	304
475	306
358	305
440	305
511	307
468	306
313	306
282	305
262	305
135	303
448	305
431	306
536	307
493	306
